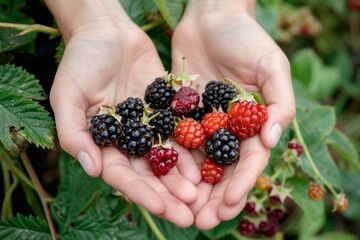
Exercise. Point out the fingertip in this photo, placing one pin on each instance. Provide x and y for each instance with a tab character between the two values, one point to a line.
91	167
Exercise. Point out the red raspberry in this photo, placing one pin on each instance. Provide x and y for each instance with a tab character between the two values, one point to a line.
211	172
294	145
162	159
246	227
184	102
316	192
245	119
213	121
250	208
189	133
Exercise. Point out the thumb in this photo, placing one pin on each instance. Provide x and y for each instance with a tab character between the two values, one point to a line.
72	130
275	81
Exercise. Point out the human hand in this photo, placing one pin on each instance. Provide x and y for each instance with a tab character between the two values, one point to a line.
224	40
107	59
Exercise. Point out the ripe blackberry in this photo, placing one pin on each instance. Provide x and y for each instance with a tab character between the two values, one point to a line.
222	147
136	138
163	123
218	94
105	129
198	114
159	94
130	108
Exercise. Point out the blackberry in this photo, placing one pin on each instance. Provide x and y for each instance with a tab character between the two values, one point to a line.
163	123
105	129
136	139
159	94
218	94
130	108
222	147
199	113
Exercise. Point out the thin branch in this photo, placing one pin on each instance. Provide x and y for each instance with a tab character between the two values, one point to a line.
41	193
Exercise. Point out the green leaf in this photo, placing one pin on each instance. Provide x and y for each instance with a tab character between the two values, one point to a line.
170	10
15	79
334	236
169	230
316	123
98	228
314	209
350	179
23	120
21	227
222	229
11	13
138	11
60	49
320	80
345	148
76	191
163	46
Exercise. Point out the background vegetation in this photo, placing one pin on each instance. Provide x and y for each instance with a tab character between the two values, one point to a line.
45	193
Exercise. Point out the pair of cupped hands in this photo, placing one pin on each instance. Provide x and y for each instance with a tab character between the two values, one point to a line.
107	61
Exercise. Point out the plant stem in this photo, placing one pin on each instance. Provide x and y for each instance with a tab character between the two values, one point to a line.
151	223
310	159
29	28
9	163
41	193
235	234
152	25
6	210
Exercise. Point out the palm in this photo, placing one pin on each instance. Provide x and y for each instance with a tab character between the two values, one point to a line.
105	69
231	45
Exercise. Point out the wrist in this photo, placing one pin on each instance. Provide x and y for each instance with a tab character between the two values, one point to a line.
208	6
72	16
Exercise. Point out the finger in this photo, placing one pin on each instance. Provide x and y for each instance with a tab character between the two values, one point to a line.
179	186
275	82
207	216
228	212
176	211
253	159
186	164
72	129
204	192
118	173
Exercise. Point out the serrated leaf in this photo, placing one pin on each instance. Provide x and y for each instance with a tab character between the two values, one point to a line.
76	190
60	48
21	227
23	119
97	228
17	80
314	209
11	13
344	147
170	10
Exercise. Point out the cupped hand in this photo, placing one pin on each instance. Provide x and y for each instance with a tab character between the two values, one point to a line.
224	40
105	62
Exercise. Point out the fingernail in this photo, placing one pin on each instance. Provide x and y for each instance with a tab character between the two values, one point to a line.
85	162
275	134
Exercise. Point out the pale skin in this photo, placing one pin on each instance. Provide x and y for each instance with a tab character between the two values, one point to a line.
109	58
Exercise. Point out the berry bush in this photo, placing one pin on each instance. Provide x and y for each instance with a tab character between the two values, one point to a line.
309	189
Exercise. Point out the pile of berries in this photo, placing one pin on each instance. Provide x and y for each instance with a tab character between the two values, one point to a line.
173	110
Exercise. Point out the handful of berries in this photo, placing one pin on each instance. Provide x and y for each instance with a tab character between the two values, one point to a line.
229	115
